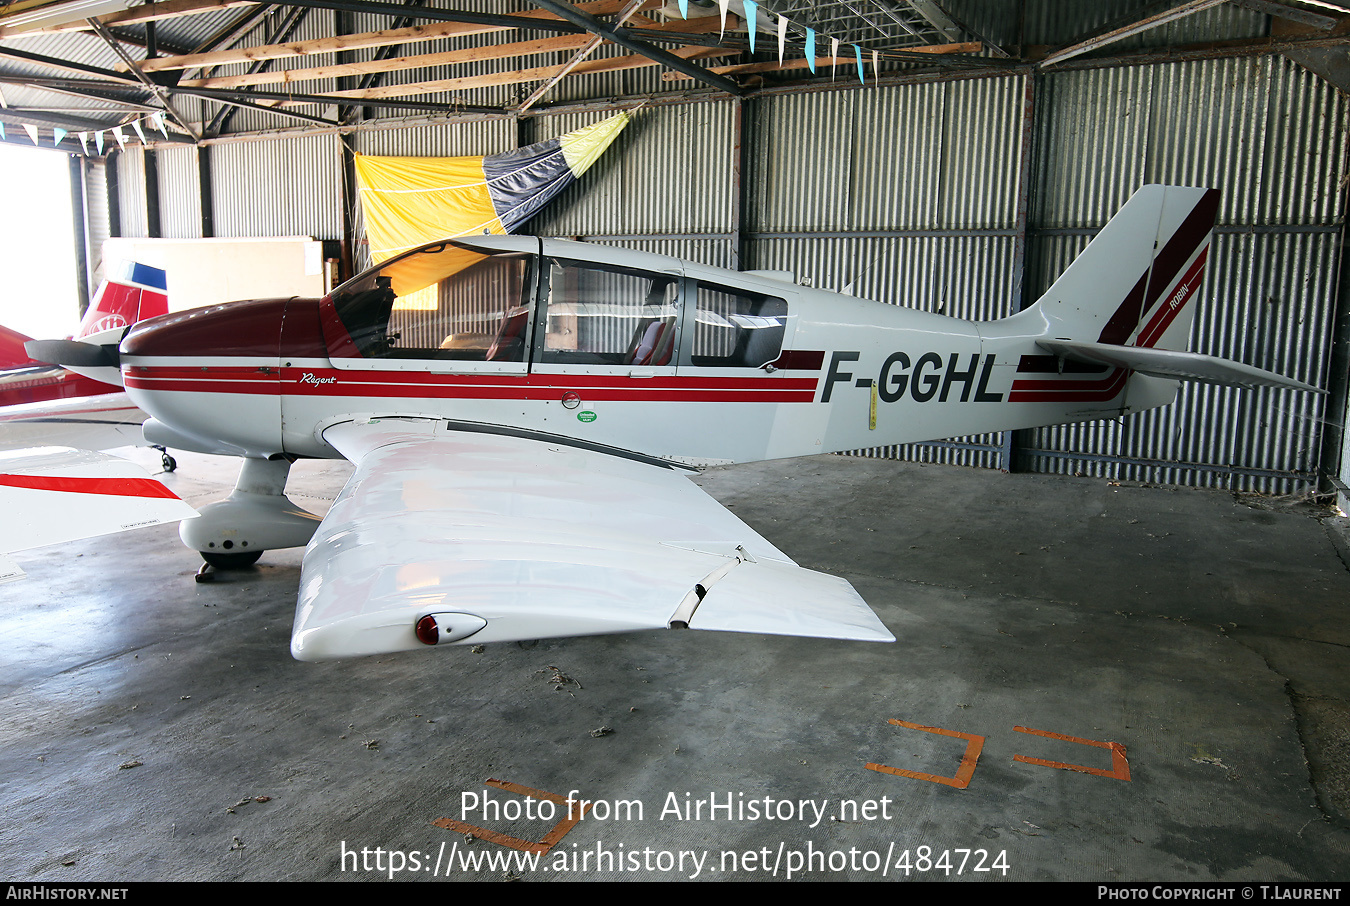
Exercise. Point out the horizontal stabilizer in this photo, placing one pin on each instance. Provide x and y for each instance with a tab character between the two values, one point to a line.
92	423
1166	363
56	494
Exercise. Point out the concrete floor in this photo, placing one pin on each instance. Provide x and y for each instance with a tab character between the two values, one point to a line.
157	729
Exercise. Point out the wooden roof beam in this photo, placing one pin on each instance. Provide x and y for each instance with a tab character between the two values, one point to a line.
664	57
1112	35
577	58
137	15
514	77
560	44
433	32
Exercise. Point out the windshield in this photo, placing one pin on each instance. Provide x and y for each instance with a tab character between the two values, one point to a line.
445	301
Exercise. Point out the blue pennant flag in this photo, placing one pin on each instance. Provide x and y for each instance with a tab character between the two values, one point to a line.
857	55
811	49
751	8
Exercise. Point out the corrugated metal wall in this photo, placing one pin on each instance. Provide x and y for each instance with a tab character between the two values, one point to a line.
1272	138
131	199
291	187
910	194
97	226
181	217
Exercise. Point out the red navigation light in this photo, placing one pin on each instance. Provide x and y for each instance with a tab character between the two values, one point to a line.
428	633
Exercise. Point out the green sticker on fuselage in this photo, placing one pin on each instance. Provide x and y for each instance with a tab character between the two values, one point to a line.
586	415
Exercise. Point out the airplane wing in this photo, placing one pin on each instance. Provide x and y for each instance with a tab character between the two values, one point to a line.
56	494
497	537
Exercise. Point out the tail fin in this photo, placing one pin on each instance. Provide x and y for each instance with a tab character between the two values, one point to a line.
133	293
1131	285
1125	302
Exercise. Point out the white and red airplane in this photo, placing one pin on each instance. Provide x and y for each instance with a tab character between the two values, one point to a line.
522	414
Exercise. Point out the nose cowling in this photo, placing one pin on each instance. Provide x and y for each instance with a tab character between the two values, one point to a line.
209	377
251	328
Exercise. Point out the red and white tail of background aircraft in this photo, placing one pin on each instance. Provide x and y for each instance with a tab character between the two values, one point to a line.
92	413
43	404
523	413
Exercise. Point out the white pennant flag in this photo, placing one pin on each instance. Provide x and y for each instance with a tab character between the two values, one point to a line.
834	57
722	4
136	124
121	137
32	132
782	38
159	121
84	142
876	63
98	141
3	102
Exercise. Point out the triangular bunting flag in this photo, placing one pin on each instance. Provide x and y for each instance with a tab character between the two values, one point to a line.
811	49
876	64
136	124
857	55
159	121
684	8
3	102
722	5
2	131
57	134
32	132
782	38
98	141
121	137
834	56
84	142
751	9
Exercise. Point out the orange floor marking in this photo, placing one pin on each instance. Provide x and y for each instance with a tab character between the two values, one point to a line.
1120	768
550	840
963	774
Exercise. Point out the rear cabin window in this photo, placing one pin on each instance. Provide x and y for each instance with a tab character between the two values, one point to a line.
445	302
609	316
735	328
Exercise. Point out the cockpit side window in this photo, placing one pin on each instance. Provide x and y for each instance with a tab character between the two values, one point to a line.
599	315
737	328
445	302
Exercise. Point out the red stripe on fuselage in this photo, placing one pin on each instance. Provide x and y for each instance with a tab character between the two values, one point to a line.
1070	391
331	382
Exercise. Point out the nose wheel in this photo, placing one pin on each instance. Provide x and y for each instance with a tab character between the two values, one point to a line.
231	561
167	461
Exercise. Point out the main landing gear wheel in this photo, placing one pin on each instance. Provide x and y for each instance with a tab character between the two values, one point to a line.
231	561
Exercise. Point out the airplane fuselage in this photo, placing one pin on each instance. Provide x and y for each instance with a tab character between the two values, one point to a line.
826	372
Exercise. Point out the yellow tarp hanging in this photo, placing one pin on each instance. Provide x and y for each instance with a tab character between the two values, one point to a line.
410	201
